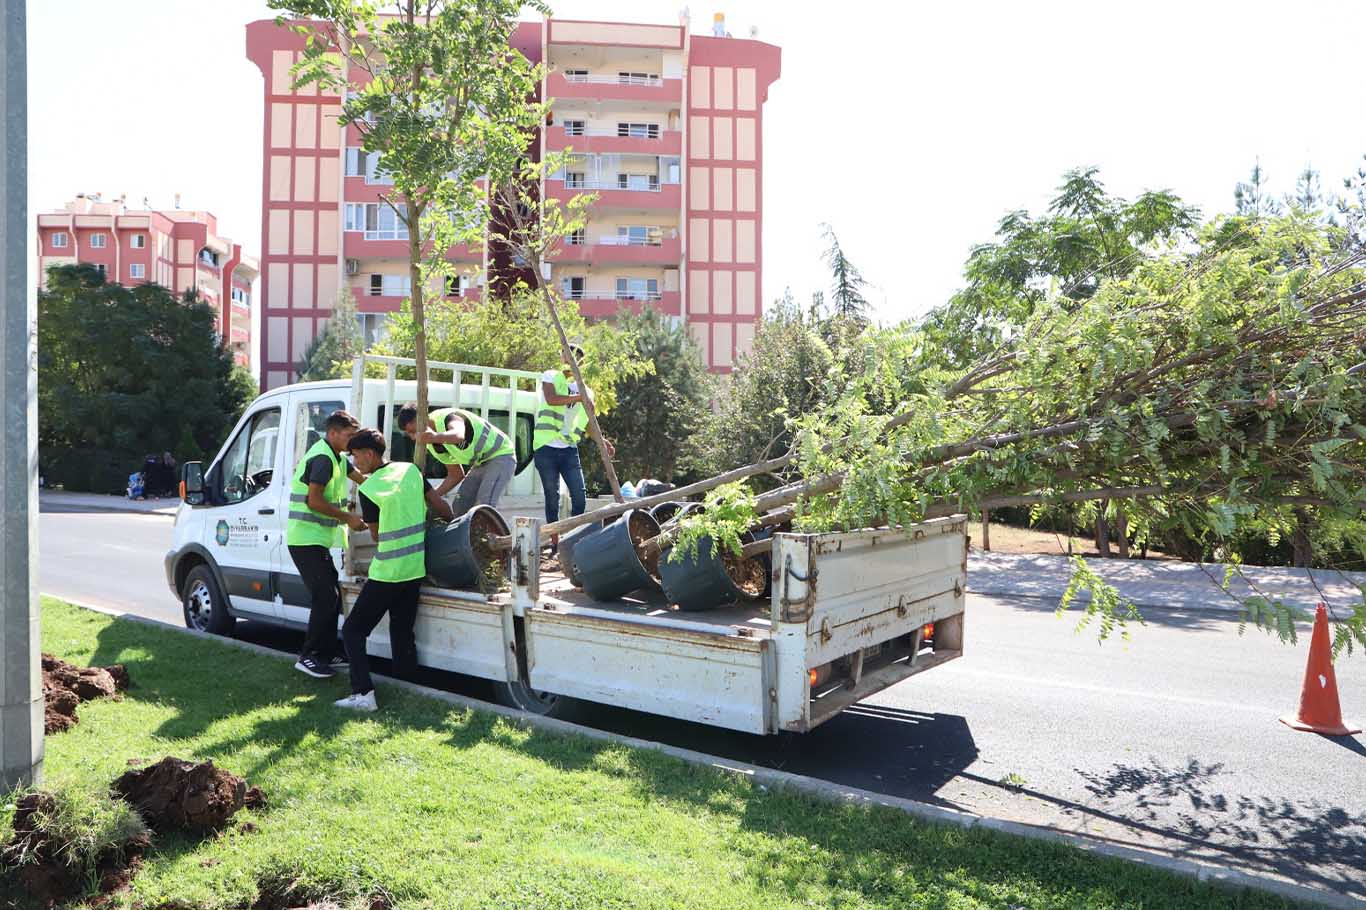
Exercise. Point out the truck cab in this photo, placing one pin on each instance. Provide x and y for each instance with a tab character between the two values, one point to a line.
228	558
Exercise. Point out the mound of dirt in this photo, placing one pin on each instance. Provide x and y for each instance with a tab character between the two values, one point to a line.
38	860
66	685
179	795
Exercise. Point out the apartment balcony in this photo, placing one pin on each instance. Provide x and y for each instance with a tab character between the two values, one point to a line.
638	194
376	245
611	142
622	251
367	302
649	89
599	304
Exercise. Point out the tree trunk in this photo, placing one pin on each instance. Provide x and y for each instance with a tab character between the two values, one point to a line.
1122	531
593	429
1302	549
1103	530
986	530
419	328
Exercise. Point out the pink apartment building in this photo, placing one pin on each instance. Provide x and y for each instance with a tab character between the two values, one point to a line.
176	249
667	130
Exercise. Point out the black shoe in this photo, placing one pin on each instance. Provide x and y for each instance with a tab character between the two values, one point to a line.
312	667
338	662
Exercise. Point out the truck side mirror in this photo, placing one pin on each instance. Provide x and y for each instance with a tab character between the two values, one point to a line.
192	483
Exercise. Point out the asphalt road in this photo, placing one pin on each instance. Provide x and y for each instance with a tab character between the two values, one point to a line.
1170	741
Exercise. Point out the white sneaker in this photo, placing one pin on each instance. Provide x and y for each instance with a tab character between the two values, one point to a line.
364	702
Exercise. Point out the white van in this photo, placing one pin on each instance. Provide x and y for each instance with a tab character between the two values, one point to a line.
228	557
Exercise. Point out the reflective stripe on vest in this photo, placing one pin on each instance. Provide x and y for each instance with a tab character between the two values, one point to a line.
398	490
559	422
489	441
305	527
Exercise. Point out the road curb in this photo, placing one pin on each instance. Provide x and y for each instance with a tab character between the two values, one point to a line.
838	793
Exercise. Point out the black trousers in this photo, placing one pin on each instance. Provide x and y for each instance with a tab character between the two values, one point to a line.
399	600
319	573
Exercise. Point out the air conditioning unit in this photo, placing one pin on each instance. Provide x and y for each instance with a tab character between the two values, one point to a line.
353	266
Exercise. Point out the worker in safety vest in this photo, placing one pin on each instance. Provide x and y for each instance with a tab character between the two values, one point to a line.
394	501
560	423
478	456
317	524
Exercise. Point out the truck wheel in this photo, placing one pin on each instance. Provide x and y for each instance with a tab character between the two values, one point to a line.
519	695
206	609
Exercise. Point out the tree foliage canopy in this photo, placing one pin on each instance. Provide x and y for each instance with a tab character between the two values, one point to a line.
124	372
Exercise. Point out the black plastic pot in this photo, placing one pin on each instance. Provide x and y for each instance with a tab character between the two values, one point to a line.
665	511
607	563
700	583
566	549
456	555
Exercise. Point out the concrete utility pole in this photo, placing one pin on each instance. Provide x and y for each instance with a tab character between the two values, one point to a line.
21	693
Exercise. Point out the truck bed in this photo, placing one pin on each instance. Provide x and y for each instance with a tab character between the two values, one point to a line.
846	619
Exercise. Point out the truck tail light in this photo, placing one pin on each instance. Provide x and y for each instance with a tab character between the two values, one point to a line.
819	675
928	631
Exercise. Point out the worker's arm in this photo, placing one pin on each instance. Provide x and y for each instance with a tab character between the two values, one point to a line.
454	474
318	503
356	476
555	398
439	505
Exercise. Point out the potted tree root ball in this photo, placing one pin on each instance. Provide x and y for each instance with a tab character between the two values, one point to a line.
460	555
702	580
616	561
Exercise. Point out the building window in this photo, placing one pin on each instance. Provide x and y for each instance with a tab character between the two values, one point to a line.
99	267
137	270
575	180
638	130
649	183
208	257
377	220
572	288
98	241
637	289
240	296
59	240
139	241
574	127
576	75
374	327
457	285
390	285
578	238
637	78
639	235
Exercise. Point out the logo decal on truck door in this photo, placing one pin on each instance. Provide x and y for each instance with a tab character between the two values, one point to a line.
221	533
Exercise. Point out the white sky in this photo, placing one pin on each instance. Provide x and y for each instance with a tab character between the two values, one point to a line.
911	128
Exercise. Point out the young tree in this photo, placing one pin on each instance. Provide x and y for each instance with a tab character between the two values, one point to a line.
435	89
846	282
339	343
1251	199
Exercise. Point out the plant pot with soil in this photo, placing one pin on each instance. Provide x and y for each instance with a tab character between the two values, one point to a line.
460	555
708	581
615	561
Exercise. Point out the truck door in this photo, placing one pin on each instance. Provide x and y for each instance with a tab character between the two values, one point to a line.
308	413
246	527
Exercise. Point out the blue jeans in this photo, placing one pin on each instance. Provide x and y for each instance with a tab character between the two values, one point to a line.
552	464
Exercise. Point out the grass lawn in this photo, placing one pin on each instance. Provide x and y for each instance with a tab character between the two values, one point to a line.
441	807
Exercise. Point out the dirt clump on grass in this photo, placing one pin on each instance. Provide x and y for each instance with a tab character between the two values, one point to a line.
54	855
66	685
178	795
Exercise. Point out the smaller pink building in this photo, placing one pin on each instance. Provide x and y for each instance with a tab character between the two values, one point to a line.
176	249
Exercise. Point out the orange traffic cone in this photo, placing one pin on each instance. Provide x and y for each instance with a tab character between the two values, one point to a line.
1320	711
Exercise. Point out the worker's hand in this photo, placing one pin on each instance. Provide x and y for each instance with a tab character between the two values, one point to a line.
425	437
611	449
356	523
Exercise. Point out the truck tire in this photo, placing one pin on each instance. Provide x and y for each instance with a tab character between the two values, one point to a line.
543	704
206	609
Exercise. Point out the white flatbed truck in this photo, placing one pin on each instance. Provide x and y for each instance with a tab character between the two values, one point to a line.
850	614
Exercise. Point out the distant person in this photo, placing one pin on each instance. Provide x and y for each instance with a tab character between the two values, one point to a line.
318	520
394	501
478	456
560	424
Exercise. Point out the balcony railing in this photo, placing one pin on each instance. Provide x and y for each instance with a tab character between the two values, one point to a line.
641	185
612	79
610	295
654	239
616	133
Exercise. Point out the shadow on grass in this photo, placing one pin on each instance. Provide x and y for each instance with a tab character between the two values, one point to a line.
792	843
